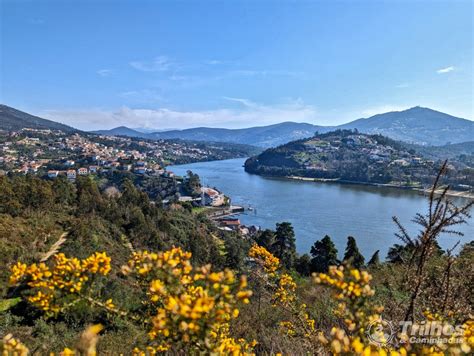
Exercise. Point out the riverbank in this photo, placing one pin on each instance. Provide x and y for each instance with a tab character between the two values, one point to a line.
451	193
316	210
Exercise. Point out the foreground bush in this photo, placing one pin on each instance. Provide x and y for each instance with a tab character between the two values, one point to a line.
184	308
190	310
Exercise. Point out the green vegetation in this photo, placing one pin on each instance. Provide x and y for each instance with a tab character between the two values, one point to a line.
288	313
352	256
349	156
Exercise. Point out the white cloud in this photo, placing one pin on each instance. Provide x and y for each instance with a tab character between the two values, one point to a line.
213	62
104	72
142	96
445	70
382	109
159	64
165	118
244	102
178	78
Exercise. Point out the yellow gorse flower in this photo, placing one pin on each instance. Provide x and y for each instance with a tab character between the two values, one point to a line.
65	276
269	262
193	306
284	295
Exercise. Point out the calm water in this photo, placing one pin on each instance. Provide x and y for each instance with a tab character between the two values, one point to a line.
317	209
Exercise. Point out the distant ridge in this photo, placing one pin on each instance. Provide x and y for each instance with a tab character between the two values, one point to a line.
416	125
122	131
13	120
262	136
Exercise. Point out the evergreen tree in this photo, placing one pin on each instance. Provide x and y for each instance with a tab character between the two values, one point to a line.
303	265
284	246
374	260
352	255
192	184
64	191
265	238
10	202
89	198
399	253
324	254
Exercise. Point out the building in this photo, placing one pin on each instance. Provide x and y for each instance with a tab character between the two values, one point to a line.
71	174
231	223
212	197
53	174
82	171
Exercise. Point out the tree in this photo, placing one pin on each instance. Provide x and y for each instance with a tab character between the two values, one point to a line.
10	203
64	191
303	265
192	184
352	256
265	238
284	246
374	260
399	253
324	254
89	198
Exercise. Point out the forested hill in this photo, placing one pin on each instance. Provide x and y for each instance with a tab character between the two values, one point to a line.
347	155
14	120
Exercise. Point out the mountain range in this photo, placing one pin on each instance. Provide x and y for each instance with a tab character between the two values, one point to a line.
416	125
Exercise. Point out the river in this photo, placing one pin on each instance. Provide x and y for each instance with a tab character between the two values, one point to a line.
317	209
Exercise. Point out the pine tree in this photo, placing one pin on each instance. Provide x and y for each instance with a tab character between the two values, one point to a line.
374	260
303	265
284	246
352	255
324	254
265	238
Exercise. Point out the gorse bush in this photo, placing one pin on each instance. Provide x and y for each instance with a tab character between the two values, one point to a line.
183	307
189	309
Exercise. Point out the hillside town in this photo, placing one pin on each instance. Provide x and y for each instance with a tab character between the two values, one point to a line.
52	154
376	152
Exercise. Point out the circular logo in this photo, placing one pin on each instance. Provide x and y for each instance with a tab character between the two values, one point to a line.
380	332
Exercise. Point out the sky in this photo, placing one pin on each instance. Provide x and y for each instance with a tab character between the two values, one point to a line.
178	64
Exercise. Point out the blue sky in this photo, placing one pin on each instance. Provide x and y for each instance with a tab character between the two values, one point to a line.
176	64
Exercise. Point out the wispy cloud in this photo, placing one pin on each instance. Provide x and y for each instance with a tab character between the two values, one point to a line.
403	85
165	118
213	62
104	72
382	109
445	70
142	96
264	73
159	64
244	102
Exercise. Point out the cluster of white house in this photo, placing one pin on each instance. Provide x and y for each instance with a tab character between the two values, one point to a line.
73	173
